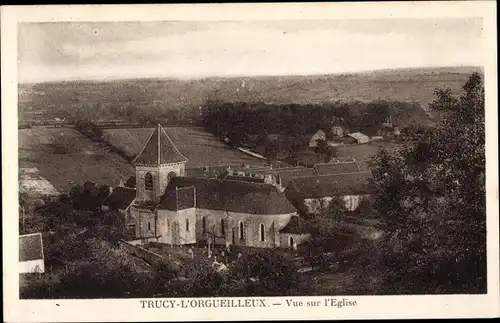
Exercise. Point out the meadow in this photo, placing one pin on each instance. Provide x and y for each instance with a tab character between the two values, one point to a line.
87	160
405	85
200	147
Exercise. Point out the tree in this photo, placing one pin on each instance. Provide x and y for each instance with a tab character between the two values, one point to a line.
272	149
63	144
321	146
431	198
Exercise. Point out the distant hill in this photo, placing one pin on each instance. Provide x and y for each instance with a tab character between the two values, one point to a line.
414	85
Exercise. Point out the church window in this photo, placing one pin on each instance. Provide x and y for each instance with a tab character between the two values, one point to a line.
148	181
222	227
171	175
204	224
187	224
149	226
240	227
262	232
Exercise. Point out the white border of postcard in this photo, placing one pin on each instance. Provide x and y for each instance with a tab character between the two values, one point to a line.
368	307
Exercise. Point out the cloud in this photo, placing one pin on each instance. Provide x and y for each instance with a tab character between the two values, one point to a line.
236	48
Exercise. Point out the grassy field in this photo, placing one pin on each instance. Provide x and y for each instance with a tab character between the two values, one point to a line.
410	85
200	147
362	152
86	161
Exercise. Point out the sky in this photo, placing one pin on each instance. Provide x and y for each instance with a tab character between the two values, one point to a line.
191	49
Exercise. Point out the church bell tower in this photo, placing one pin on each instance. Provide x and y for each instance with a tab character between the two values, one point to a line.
158	162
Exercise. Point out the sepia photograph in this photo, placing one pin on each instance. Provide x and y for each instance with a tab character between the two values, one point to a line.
186	159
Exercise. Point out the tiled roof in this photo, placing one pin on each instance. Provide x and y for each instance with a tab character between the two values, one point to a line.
159	149
358	136
286	175
331	185
245	178
30	247
296	225
336	168
228	195
121	198
211	171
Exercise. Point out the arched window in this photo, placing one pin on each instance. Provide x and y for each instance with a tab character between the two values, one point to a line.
204	224
222	227
262	232
149	226
240	229
290	242
148	181
171	175
187	224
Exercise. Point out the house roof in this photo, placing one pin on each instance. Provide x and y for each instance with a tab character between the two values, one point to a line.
331	185
286	175
120	198
336	168
30	247
214	171
358	136
245	178
320	132
296	225
229	195
159	149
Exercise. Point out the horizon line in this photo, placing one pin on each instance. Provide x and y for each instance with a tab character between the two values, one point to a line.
194	77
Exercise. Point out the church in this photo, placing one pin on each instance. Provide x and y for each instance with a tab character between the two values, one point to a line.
172	208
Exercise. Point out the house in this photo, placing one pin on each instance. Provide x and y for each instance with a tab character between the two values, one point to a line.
121	200
336	168
31	258
318	135
316	192
173	208
279	177
356	138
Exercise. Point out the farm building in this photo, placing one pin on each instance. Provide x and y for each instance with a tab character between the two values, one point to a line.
31	259
318	135
314	192
170	207
356	138
279	177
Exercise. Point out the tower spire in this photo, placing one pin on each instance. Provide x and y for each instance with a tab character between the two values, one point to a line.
159	149
159	145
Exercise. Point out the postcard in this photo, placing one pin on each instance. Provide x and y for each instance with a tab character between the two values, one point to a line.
251	161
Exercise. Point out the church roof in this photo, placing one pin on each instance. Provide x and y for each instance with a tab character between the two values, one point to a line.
296	225
159	149
226	195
